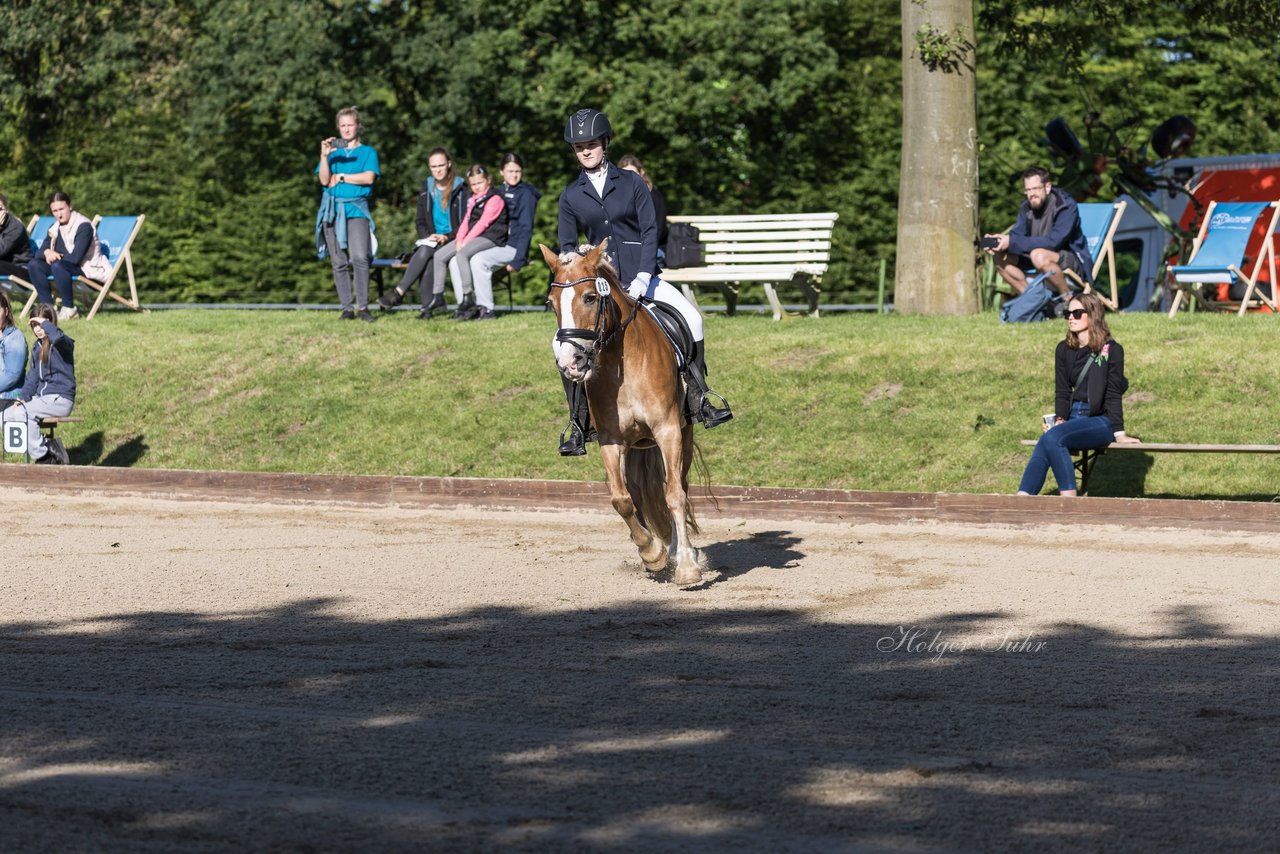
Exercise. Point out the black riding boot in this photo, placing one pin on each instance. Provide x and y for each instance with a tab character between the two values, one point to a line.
699	396
574	437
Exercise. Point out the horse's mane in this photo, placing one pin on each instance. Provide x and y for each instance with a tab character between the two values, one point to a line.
603	268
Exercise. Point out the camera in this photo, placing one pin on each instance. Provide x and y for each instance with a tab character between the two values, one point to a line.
989	242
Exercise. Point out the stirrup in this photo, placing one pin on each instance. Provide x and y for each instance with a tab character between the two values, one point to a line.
575	445
711	415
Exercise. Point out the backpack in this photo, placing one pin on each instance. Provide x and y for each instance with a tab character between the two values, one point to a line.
1033	304
684	249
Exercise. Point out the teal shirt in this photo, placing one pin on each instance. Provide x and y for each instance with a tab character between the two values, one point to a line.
349	161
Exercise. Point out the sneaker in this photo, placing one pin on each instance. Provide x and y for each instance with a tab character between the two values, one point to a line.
435	305
67	313
484	314
347	314
466	312
364	315
58	452
390	299
50	460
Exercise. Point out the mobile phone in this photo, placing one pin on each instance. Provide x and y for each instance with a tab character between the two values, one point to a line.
989	242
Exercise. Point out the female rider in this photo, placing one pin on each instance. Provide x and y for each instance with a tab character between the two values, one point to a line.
607	202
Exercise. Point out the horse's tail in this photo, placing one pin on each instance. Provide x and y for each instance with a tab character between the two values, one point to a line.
647	482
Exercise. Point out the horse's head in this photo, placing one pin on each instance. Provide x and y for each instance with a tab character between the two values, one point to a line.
582	294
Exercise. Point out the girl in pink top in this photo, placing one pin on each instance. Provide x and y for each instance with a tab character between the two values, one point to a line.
484	226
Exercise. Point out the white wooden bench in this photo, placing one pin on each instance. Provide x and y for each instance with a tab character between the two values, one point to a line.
773	249
1085	460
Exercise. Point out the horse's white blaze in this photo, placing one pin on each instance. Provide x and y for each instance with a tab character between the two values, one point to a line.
565	353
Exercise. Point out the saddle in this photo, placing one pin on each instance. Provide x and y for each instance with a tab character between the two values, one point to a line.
673	325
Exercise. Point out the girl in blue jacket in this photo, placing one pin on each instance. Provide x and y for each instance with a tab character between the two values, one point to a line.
50	388
13	354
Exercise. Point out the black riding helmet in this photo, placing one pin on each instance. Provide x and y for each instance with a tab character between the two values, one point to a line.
586	125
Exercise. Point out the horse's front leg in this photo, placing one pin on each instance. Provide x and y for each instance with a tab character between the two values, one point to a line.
652	550
672	442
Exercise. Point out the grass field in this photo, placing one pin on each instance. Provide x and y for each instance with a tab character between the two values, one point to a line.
847	401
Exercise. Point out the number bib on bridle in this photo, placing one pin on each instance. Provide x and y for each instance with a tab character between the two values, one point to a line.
596	336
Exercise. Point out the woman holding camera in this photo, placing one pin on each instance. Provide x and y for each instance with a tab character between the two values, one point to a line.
50	388
1089	401
344	227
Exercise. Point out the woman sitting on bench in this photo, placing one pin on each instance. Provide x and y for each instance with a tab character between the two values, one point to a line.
1088	406
50	389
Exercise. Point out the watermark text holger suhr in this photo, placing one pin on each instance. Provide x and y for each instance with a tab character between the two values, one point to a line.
926	641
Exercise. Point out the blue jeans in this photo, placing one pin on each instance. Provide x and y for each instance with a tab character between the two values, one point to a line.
62	272
1079	432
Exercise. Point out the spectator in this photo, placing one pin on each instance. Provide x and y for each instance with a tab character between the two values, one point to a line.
70	249
15	243
50	388
344	226
1088	407
632	164
483	227
521	200
441	205
607	202
1046	236
13	354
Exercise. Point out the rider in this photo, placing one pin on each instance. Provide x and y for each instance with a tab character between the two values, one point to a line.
605	201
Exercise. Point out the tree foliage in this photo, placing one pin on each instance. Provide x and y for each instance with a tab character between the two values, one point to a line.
206	114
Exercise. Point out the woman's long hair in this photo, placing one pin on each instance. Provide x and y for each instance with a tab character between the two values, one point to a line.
1099	332
632	160
44	311
446	186
6	312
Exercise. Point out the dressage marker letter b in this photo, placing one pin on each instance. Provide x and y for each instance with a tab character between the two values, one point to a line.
15	437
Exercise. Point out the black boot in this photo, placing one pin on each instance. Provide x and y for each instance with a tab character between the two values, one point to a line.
574	437
700	400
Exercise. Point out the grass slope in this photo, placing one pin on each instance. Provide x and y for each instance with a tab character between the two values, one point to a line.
849	401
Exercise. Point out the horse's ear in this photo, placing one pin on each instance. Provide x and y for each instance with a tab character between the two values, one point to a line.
594	256
553	260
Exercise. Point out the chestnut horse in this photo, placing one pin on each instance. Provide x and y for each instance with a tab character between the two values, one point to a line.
636	396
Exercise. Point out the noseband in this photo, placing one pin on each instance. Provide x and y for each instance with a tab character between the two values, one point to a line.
597	337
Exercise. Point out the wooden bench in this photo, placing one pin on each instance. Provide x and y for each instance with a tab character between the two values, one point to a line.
773	249
1087	459
501	277
47	425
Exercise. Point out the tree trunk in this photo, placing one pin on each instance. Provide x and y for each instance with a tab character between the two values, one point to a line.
936	266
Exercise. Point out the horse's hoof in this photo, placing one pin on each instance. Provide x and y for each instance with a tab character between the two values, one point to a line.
657	564
686	577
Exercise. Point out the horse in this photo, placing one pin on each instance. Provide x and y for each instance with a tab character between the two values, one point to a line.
629	372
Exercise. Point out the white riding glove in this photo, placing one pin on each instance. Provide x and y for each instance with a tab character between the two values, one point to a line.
639	285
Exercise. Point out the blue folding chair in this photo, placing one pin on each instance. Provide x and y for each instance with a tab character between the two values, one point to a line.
1219	251
37	230
1099	222
115	236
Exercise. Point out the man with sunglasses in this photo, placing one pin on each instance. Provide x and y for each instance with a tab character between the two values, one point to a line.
1046	236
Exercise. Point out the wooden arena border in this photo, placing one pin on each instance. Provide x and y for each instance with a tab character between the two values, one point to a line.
817	505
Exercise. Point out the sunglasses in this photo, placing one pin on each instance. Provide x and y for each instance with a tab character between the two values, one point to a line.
1076	313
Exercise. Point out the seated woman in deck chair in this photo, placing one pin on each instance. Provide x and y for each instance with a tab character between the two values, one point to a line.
1088	406
15	243
50	388
70	249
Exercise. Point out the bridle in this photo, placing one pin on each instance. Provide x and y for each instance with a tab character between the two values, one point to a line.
597	337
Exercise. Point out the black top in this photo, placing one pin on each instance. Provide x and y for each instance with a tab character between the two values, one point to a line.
1103	388
15	243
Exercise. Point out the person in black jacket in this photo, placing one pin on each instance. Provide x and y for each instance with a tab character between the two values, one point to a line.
607	202
440	207
15	243
1089	401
